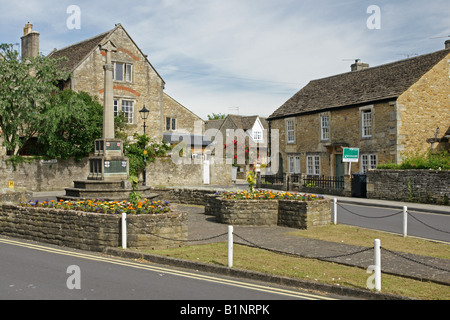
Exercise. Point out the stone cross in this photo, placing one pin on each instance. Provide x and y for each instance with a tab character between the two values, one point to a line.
108	102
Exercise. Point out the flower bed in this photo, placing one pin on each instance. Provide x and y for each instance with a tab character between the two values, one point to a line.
108	207
268	195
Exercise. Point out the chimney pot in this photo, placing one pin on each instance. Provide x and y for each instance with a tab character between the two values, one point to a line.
28	28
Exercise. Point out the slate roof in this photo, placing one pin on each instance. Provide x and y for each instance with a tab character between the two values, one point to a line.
76	53
246	122
383	82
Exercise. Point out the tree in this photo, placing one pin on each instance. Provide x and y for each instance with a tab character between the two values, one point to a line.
26	88
71	125
216	116
143	148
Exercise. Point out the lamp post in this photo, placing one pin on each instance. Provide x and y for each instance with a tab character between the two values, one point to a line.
144	115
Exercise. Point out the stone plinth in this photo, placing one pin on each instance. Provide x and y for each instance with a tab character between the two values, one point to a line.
288	213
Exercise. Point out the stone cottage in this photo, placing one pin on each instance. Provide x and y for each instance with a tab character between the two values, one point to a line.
384	111
136	82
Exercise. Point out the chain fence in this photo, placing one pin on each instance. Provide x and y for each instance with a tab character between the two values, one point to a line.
323	258
391	215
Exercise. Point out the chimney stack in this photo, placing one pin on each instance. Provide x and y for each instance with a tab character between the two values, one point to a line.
359	66
447	44
30	42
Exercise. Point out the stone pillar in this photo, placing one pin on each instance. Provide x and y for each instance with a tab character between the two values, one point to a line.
108	106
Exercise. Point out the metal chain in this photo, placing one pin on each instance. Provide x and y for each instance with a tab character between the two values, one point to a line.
195	240
311	257
413	260
427	224
386	216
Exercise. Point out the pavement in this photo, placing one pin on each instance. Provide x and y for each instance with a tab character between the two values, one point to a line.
204	229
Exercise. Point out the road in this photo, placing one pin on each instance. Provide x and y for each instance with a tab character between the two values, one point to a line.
32	271
424	225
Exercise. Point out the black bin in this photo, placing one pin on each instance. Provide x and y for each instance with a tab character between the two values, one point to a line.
359	185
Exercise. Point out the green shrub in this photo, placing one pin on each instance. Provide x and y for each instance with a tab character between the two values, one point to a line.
421	160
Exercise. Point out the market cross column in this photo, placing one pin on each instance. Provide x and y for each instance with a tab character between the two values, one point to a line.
109	162
108	102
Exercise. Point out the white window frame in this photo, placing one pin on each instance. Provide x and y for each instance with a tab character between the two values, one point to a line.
325	127
367	122
257	135
290	130
313	165
127	107
294	164
368	161
126	73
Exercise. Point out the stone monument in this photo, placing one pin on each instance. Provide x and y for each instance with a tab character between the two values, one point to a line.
109	163
108	167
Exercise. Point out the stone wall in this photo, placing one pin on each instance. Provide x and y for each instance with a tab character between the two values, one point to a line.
289	213
40	175
56	175
89	231
423	108
164	173
425	186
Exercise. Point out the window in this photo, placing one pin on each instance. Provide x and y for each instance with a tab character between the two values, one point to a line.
123	72
368	161
366	123
294	164
127	107
171	124
257	135
313	165
324	127
290	131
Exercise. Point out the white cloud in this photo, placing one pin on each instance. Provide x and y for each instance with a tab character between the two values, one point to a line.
209	50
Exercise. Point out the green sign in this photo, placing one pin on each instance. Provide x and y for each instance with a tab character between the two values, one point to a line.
351	155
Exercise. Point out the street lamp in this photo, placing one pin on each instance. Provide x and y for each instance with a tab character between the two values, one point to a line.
144	115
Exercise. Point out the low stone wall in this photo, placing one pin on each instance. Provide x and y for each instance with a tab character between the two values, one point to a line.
40	175
289	213
424	186
164	172
247	212
304	214
183	195
89	231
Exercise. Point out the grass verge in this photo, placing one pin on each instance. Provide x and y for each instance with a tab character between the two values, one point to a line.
260	260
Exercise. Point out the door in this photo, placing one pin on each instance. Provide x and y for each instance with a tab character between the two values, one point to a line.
339	166
339	170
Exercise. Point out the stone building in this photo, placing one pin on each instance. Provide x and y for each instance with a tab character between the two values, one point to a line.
384	111
136	83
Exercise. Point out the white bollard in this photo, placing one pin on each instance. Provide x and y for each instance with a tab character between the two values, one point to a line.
124	230
405	221
335	211
377	258
230	246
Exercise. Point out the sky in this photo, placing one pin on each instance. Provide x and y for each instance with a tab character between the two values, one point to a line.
243	57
